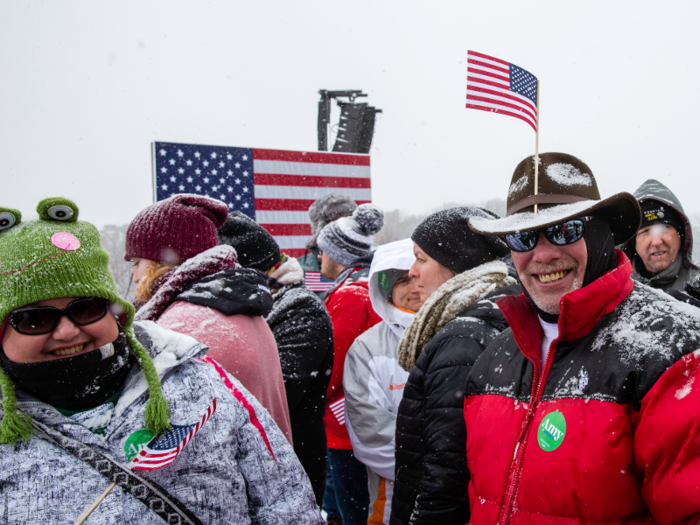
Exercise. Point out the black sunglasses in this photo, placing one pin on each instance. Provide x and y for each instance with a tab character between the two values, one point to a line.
38	320
560	234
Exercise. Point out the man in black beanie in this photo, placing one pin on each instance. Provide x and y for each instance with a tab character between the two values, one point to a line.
661	250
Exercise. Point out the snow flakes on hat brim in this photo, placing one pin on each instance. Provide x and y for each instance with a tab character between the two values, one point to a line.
621	211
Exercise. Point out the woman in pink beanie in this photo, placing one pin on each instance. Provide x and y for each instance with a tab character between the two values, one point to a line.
190	284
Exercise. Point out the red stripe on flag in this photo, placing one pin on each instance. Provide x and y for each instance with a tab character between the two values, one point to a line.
311	156
295	252
502	112
502	103
487	57
505	71
288	229
483	81
269	179
288	204
283	204
522	100
489	74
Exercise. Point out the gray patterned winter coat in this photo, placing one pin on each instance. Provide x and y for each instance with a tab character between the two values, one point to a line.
226	474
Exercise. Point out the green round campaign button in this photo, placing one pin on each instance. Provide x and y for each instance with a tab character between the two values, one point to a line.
552	431
136	441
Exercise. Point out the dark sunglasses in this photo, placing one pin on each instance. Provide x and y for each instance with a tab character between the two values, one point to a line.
38	320
560	234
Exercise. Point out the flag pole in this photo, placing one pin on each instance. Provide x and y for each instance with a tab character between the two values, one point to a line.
537	142
94	505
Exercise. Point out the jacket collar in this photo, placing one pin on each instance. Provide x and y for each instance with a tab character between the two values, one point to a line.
580	310
214	260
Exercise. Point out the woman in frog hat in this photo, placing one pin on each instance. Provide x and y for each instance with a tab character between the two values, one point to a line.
90	398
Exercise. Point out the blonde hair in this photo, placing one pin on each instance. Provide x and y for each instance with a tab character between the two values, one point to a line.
153	271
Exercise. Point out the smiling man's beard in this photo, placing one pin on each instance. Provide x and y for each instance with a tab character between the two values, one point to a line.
534	268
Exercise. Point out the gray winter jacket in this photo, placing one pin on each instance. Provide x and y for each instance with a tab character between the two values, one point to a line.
226	473
676	276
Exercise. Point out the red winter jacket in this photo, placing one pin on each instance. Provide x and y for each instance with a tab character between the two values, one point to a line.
352	314
609	431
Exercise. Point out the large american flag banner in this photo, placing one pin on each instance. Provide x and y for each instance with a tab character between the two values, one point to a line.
501	87
273	187
164	448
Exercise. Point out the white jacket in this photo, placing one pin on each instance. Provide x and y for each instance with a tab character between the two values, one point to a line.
373	382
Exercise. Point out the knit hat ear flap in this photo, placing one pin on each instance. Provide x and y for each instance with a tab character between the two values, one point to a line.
14	424
157	414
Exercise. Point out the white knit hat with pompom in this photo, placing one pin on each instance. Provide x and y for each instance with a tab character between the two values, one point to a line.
349	239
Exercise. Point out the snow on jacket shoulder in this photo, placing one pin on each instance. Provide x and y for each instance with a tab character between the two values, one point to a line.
226	474
352	314
431	470
606	432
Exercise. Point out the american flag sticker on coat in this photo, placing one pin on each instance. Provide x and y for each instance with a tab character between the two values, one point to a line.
164	448
273	187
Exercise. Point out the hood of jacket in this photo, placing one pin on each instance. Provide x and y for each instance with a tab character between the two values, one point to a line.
653	189
396	255
231	292
171	283
288	272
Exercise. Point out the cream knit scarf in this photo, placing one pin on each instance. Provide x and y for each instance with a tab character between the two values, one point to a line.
446	303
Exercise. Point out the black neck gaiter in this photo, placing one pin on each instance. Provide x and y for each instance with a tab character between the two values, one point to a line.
602	258
74	383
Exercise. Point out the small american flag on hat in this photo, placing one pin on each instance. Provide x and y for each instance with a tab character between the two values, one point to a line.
164	448
501	87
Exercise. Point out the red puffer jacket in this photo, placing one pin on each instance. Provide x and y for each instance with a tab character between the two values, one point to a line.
609	431
352	314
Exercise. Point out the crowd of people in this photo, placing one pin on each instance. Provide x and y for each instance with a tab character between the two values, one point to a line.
537	368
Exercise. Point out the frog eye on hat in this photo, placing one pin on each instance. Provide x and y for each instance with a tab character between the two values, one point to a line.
8	218
57	209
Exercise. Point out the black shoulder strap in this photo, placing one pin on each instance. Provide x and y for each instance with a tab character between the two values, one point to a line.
154	497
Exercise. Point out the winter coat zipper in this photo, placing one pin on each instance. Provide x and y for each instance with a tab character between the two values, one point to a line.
540	378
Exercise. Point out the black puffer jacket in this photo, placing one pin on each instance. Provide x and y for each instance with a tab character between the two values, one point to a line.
431	471
304	335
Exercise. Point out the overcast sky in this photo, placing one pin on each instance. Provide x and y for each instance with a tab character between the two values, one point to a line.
86	87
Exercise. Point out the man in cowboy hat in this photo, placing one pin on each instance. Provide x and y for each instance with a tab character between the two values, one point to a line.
586	410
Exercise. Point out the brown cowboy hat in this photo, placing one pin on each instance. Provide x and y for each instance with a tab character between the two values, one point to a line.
566	189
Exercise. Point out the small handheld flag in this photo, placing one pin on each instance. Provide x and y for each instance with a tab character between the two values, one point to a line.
316	282
164	448
501	87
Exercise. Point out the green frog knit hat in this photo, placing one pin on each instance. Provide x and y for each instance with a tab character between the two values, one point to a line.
59	256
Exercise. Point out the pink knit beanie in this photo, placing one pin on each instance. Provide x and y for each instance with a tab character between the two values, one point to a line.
175	229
